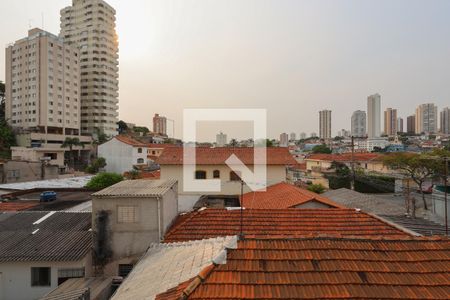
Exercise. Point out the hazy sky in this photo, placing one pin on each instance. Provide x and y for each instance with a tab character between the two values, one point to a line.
292	57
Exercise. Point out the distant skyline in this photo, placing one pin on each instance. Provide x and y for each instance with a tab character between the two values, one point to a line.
293	58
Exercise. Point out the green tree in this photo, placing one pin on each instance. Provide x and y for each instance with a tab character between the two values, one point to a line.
7	139
142	129
96	165
2	100
70	143
103	180
321	149
418	167
316	188
269	143
122	127
233	143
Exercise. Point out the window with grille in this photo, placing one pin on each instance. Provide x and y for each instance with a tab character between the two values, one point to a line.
127	214
41	276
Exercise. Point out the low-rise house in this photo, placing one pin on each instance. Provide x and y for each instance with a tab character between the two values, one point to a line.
154	274
122	153
127	217
40	250
211	164
324	268
284	195
25	170
368	162
209	223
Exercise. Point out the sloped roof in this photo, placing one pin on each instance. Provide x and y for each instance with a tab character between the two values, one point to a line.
44	236
130	141
283	195
17	206
218	156
345	157
208	223
326	268
165	266
368	203
137	188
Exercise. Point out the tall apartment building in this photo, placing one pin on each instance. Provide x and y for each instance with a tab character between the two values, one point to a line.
325	124
358	126
292	136
390	122
89	25
445	120
160	124
411	124
302	135
284	139
221	139
426	118
374	116
42	95
399	124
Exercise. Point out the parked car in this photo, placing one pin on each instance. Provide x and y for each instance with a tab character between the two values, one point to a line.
426	189
47	196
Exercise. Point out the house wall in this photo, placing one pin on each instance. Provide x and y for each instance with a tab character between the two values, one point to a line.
35	154
15	278
275	174
128	241
120	157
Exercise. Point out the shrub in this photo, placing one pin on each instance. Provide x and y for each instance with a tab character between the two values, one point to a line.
316	188
103	180
96	165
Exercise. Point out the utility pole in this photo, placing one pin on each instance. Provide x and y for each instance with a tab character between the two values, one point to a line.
445	195
353	164
242	208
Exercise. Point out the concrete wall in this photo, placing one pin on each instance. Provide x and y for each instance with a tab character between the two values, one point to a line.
21	171
120	157
15	278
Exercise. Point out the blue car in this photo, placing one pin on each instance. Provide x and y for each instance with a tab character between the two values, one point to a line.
47	196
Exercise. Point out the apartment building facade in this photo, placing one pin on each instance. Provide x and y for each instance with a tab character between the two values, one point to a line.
374	116
358	126
445	120
325	124
43	94
160	124
411	124
390	122
89	25
426	118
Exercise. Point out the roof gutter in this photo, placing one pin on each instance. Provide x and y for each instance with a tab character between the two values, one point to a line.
159	218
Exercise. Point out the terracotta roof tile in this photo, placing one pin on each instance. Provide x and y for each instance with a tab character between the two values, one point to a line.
130	141
218	156
210	223
283	195
17	206
345	157
328	268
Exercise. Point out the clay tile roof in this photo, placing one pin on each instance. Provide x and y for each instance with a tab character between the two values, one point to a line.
209	223
327	268
218	156
283	195
17	206
345	157
130	141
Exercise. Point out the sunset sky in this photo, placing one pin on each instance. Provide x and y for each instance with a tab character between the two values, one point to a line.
293	58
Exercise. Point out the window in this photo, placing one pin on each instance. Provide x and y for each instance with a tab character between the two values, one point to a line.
139	150
140	160
125	269
40	276
127	214
64	274
216	174
200	174
235	176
